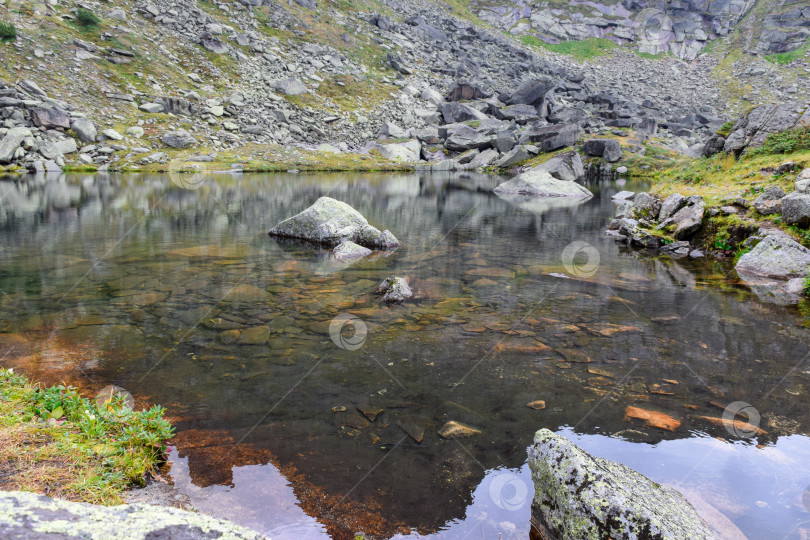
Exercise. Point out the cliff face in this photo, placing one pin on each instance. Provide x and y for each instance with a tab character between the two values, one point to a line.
679	27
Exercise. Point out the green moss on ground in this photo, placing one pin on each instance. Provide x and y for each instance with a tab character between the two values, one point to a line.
55	442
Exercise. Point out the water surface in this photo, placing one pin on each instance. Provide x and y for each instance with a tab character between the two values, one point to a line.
180	297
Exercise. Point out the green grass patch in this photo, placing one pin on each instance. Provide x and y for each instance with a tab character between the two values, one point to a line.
8	32
650	56
790	56
54	441
784	142
581	50
87	19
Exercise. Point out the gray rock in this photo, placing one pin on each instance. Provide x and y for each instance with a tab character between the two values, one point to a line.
408	151
11	142
514	157
460	112
330	222
624	196
30	516
178	139
776	257
539	183
465	91
566	166
551	138
212	43
291	87
803	181
394	290
608	149
152	108
582	497
50	118
713	146
769	201
348	250
55	149
531	92
752	129
796	209
671	204
646	205
85	129
484	159
688	220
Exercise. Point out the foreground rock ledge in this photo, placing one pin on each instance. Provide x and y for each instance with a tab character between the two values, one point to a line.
31	516
581	497
330	222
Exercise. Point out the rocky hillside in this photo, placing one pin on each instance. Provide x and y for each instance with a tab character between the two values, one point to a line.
682	29
175	83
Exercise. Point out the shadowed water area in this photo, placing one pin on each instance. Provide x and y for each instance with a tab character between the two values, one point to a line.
179	296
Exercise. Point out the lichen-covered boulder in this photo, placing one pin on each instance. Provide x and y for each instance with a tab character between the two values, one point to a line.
539	183
582	497
28	515
775	257
394	290
330	222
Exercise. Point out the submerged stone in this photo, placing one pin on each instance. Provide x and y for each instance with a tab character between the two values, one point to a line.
457	430
582	497
394	290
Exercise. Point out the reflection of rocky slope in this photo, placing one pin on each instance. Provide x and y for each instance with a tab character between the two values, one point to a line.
655	26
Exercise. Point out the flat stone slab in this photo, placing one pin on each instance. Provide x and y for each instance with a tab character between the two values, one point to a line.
539	183
25	516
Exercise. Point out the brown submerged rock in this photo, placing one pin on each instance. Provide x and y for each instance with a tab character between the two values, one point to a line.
457	430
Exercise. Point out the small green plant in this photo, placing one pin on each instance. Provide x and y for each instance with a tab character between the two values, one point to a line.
807	286
722	245
784	142
725	129
8	32
87	19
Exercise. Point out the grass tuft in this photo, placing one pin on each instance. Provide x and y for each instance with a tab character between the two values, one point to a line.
55	442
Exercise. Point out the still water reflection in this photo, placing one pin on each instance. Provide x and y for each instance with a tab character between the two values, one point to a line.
181	297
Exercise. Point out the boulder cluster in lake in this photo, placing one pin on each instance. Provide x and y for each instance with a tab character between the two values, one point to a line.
335	224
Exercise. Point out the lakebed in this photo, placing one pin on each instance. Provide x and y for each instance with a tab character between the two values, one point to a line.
299	426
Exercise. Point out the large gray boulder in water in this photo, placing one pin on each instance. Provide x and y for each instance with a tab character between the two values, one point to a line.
775	257
582	497
539	183
330	222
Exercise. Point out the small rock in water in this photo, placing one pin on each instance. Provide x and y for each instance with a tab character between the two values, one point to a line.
394	290
538	405
348	250
456	430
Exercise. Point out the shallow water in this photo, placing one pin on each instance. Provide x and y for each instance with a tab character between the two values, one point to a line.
140	282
